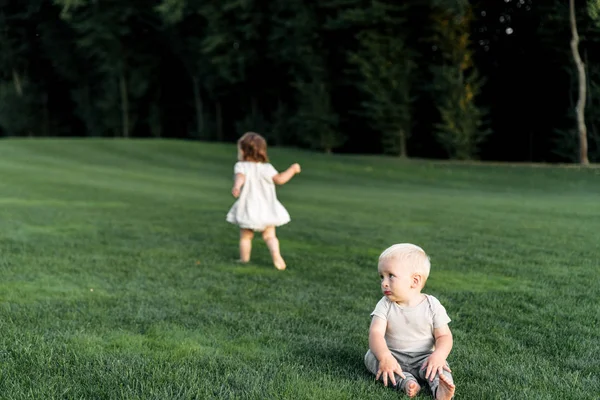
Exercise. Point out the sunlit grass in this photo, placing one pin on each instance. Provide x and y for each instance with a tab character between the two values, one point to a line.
119	277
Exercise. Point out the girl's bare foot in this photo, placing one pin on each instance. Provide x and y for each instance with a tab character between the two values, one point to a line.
445	389
279	263
412	388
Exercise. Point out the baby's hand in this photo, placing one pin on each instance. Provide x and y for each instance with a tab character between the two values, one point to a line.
235	192
434	364
296	168
387	367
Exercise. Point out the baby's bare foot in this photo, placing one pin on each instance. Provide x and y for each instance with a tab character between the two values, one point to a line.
279	263
445	389
412	388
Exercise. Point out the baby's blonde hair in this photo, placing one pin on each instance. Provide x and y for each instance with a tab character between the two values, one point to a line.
411	256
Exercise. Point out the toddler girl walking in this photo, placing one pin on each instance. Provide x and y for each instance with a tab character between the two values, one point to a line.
257	208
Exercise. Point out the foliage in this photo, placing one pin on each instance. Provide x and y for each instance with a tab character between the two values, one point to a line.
335	75
593	8
565	138
303	51
386	71
20	109
456	86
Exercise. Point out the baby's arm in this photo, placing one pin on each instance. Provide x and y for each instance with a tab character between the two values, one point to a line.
436	362
237	184
388	365
286	175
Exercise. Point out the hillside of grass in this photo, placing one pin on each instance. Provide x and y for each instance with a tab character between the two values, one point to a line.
119	280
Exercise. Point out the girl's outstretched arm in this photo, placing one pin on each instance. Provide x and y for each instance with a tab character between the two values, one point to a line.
285	176
237	185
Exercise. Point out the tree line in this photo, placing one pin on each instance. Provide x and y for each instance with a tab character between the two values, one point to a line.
417	78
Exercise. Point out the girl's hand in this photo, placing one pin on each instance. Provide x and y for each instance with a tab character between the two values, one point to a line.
435	364
388	366
296	168
235	192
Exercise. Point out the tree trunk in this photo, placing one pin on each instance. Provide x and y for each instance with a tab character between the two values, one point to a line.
124	104
199	107
325	139
46	116
219	117
254	110
87	111
402	137
581	128
277	122
17	82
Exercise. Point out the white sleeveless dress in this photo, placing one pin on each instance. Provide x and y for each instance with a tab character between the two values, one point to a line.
257	207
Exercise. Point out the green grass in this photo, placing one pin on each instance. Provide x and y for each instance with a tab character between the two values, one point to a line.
119	280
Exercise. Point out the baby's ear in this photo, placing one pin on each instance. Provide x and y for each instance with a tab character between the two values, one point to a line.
417	280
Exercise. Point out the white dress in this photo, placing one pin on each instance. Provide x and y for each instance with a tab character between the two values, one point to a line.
257	207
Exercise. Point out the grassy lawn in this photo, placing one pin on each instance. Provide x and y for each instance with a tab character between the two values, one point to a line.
119	277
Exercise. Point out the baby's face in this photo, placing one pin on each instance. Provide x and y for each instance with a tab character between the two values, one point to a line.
396	280
240	154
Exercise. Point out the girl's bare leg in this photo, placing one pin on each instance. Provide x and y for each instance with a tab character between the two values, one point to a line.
246	236
273	245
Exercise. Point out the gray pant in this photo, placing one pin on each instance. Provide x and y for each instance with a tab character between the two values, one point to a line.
411	364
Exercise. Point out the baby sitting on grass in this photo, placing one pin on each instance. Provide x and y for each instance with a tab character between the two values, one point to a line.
409	337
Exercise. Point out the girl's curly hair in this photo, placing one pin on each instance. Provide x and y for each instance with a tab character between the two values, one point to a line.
254	147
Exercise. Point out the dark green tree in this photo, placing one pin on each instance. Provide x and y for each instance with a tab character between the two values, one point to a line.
457	82
297	34
386	70
22	102
183	25
120	73
568	139
235	44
